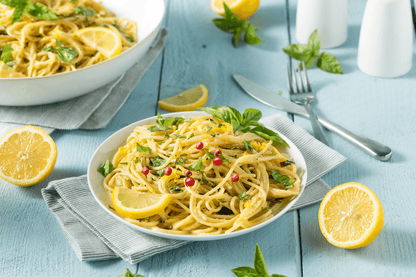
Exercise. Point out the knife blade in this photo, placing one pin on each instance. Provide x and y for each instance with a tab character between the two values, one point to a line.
268	97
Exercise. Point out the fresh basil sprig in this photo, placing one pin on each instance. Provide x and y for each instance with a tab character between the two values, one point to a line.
106	168
232	24
22	7
129	274
309	53
7	56
244	122
259	269
143	149
282	179
163	124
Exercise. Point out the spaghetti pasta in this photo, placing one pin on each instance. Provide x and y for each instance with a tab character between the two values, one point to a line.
34	40
218	202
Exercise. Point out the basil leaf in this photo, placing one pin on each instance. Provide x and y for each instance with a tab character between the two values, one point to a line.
226	25
158	161
143	149
329	63
314	43
208	128
161	172
179	136
157	128
268	134
225	113
250	37
65	54
197	165
281	179
180	160
277	275
129	274
251	117
245	271
42	12
259	264
285	163
80	10
243	196
6	55
191	136
20	8
47	49
248	146
173	189
106	168
129	39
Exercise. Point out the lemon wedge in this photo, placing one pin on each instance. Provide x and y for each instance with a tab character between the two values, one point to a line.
243	9
28	155
351	216
133	204
188	100
104	40
9	72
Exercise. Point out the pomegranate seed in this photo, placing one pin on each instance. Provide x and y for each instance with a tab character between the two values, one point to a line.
187	173
145	170
189	182
199	145
217	152
217	161
235	177
168	171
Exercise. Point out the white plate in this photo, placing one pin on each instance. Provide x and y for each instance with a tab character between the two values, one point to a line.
110	146
148	14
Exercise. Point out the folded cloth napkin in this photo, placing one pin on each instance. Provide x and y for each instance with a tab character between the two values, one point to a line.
96	235
91	111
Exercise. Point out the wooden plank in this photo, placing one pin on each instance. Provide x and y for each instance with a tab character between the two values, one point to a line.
35	243
197	52
380	109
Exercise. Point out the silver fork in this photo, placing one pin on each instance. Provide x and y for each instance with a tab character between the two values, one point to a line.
304	97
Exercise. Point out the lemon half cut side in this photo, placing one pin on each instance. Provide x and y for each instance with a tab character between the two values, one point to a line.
351	216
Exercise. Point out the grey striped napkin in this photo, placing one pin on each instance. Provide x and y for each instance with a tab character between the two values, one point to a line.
96	235
91	111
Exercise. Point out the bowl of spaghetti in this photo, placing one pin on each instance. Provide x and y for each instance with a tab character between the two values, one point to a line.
55	50
176	158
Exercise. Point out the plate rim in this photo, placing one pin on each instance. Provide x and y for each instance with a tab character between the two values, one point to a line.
189	237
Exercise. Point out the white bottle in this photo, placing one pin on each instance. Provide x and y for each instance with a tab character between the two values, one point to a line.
328	16
386	39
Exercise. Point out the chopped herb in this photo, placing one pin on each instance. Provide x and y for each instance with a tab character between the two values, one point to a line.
197	165
111	208
266	208
209	128
160	142
204	180
80	10
122	163
65	54
143	149
191	136
129	39
166	135
248	146
6	55
165	124
220	125
47	49
188	120
180	160
158	161
106	168
272	154
173	189
157	128
221	200
211	156
161	172
286	163
118	27
136	160
243	196
73	1
284	180
104	25
179	136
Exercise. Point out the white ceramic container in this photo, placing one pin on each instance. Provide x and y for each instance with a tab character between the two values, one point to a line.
329	17
386	40
109	147
148	14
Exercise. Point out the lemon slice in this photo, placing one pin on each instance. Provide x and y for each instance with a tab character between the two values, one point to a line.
351	216
243	9
133	204
9	72
104	40
28	155
188	100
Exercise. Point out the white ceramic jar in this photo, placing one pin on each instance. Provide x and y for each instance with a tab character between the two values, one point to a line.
329	17
386	39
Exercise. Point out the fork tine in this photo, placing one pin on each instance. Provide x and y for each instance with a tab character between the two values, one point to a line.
308	85
300	79
289	80
295	79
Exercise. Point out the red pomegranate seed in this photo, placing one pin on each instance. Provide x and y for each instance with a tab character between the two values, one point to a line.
199	145
235	177
145	170
217	161
217	152
189	182
168	171
187	173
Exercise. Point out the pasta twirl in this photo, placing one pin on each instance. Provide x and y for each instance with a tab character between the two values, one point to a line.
215	204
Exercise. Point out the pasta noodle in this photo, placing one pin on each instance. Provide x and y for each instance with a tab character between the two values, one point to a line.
30	36
214	204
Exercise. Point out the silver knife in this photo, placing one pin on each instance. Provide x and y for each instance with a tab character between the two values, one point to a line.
268	97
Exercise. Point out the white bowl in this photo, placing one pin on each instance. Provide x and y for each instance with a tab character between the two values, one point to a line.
148	14
109	147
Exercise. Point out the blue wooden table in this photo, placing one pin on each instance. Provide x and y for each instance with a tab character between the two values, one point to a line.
32	243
